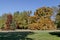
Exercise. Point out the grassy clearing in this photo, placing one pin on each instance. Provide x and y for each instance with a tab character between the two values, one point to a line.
43	36
27	35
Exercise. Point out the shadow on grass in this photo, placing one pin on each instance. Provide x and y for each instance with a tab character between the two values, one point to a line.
55	33
15	35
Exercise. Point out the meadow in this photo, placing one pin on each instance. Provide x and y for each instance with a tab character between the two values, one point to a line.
30	35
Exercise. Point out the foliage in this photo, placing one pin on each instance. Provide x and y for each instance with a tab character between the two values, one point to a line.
58	18
21	19
2	19
8	24
41	19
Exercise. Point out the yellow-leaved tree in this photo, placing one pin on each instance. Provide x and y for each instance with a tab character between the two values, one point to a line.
42	19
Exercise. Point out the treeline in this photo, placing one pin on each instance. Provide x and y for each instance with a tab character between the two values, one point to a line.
41	20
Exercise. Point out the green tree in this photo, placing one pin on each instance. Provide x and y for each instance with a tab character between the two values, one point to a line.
58	17
3	19
21	18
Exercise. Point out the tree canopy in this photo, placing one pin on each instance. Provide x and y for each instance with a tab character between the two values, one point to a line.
41	20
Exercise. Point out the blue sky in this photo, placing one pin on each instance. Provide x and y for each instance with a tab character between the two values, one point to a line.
7	6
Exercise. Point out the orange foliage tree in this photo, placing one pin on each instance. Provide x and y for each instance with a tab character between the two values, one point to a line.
42	19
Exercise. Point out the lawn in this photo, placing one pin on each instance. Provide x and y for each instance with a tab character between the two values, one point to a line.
28	35
44	36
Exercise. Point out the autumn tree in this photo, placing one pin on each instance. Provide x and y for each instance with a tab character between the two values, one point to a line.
21	19
43	20
9	22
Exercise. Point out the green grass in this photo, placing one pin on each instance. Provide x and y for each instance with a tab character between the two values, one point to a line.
43	36
29	36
